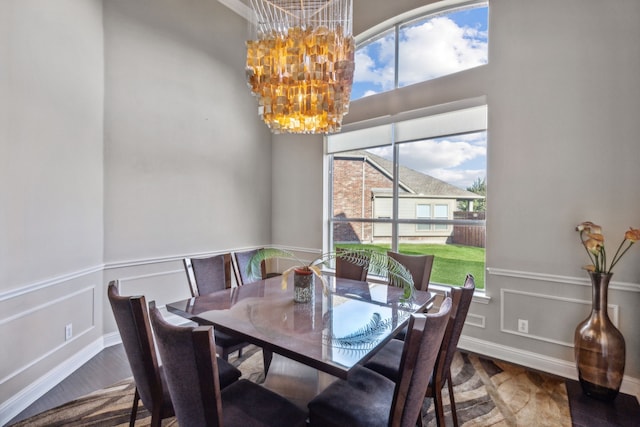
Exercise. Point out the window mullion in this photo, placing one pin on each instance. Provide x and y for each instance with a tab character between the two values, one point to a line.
396	72
396	180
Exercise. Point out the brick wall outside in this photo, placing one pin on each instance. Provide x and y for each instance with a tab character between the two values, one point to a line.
352	197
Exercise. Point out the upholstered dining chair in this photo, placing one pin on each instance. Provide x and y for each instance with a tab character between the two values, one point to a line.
420	268
132	319
191	370
418	265
241	261
240	264
208	275
368	399
386	360
347	269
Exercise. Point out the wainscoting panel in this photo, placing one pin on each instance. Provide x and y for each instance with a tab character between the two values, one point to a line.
162	286
36	343
475	320
542	311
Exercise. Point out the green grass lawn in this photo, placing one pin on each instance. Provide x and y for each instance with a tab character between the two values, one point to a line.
451	263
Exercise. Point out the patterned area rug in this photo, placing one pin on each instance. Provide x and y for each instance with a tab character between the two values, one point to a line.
494	393
488	393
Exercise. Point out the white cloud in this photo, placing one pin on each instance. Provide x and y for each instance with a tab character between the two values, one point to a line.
439	47
384	152
475	138
426	156
459	178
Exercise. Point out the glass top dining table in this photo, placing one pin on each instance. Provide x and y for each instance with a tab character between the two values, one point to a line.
346	322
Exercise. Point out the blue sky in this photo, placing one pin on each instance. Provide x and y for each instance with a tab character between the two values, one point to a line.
429	48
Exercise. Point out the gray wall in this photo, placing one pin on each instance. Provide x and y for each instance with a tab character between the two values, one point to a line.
180	167
187	160
564	94
51	176
185	152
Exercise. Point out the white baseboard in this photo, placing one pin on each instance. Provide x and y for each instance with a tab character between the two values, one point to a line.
111	339
537	361
10	408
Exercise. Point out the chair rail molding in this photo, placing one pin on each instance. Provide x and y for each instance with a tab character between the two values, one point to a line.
568	280
33	287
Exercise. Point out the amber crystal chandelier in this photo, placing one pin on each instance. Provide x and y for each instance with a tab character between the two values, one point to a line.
300	63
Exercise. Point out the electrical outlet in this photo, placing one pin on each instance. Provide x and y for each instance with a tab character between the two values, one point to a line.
523	326
68	332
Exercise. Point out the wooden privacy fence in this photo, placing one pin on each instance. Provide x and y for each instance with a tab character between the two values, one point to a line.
469	235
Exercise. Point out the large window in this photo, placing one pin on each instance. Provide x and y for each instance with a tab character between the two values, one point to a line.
406	186
424	48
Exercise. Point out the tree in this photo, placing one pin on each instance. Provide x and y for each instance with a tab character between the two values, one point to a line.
479	186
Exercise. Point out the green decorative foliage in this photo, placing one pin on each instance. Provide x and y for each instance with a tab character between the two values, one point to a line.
378	263
364	338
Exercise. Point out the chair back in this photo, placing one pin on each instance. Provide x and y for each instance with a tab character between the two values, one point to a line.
461	301
347	269
424	337
418	265
137	339
208	275
241	262
189	359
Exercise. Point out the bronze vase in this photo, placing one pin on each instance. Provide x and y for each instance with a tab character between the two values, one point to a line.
599	346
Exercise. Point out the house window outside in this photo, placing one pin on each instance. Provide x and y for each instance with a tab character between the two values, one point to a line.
423	212
441	212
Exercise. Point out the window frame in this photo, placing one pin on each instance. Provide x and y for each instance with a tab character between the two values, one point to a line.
385	122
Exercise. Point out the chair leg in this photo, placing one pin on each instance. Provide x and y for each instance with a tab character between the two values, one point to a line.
239	352
156	419
452	400
134	409
224	355
438	405
419	422
267	355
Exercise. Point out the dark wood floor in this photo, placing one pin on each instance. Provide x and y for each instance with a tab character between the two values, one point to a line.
587	412
106	368
111	365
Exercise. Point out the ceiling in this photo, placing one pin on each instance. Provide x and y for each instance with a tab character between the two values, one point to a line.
241	7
